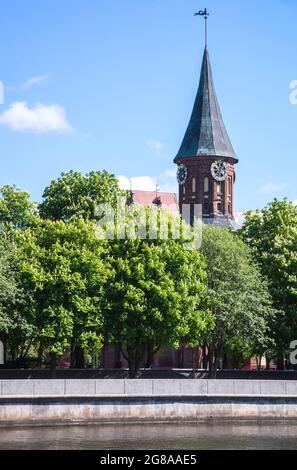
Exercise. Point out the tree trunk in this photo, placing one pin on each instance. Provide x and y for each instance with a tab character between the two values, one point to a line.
267	362
204	357
40	354
149	356
216	365
214	353
72	355
225	361
135	361
117	357
258	361
134	369
211	361
79	358
280	362
195	359
102	358
53	365
14	354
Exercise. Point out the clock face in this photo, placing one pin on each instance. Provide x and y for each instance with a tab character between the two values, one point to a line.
219	170
182	174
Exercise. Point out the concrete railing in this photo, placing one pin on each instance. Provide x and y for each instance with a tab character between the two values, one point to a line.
146	388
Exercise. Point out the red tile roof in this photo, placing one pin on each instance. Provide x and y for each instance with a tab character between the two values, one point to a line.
148	198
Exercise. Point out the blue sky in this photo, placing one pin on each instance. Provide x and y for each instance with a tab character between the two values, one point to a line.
93	84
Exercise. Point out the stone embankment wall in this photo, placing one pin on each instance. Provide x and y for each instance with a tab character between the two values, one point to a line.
84	401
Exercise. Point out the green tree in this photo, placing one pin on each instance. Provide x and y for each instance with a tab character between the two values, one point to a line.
17	213
8	287
15	331
239	295
64	272
75	195
272	235
156	296
16	208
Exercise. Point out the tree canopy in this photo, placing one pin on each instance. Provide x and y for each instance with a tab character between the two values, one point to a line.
67	286
8	286
16	207
63	270
272	235
155	298
239	295
75	195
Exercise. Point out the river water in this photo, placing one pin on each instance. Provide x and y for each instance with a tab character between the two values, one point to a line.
244	435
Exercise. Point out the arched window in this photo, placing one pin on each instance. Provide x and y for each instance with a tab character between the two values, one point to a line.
206	184
219	207
230	185
219	187
184	189
194	185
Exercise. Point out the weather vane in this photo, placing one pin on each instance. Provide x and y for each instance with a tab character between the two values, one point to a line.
205	14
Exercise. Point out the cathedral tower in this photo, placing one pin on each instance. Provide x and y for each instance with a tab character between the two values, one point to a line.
206	158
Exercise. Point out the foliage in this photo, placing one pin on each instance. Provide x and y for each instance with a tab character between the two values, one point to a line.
272	235
63	286
8	286
16	208
239	295
155	297
62	270
75	195
15	331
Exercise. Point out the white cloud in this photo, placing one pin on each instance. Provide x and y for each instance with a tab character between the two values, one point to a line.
272	187
40	118
155	146
144	183
124	182
295	202
166	182
34	81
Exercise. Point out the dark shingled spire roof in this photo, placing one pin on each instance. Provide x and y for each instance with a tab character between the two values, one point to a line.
206	133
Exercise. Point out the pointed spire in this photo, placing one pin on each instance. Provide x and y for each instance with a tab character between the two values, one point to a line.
206	134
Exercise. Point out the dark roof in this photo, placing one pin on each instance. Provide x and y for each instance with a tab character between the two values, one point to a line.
206	133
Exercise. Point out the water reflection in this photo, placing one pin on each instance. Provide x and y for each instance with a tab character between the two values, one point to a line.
245	435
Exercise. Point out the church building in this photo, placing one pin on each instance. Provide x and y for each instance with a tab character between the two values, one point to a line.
206	159
205	162
206	175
